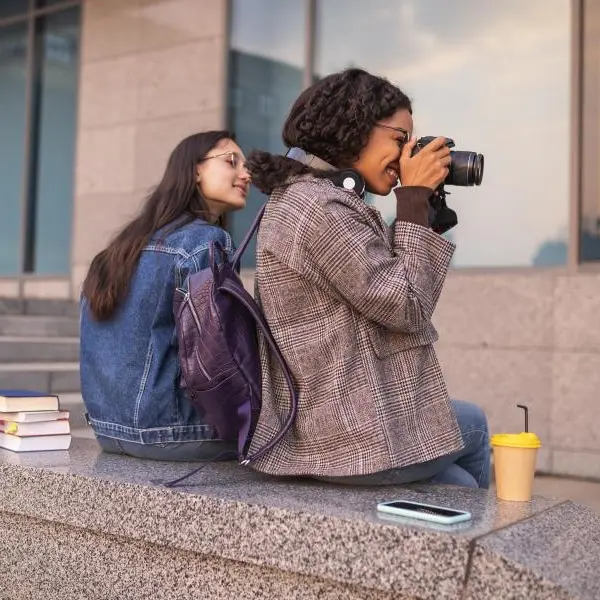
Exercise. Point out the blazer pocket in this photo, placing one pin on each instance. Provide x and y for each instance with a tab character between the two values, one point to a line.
386	343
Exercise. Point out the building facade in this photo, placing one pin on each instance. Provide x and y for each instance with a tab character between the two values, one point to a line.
94	94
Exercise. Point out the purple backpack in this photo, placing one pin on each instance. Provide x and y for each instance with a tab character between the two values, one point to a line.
216	322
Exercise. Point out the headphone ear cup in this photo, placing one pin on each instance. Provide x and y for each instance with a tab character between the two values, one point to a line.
349	179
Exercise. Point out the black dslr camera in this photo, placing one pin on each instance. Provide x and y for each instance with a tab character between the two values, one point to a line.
466	169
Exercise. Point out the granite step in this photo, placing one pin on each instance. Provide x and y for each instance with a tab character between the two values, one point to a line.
39	306
54	377
15	349
38	325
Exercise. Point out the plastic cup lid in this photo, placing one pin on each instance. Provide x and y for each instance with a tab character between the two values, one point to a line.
516	440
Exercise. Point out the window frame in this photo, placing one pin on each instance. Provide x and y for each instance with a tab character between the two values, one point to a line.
588	116
32	96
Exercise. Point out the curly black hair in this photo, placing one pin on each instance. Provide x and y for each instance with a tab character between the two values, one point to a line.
331	119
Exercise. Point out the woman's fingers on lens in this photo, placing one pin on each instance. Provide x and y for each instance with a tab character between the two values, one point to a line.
446	160
437	144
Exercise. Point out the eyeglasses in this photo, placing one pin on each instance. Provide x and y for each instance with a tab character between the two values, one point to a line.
404	132
233	158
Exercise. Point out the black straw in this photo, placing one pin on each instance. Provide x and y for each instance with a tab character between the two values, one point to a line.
526	416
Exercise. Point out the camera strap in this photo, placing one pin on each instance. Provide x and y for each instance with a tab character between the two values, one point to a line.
441	218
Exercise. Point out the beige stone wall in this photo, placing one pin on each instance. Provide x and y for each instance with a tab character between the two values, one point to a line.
152	72
534	339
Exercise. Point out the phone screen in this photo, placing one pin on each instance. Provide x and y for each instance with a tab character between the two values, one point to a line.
430	510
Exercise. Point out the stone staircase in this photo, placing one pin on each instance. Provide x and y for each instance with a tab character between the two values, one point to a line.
39	350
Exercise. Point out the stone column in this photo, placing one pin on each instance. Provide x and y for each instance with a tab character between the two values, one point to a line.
152	72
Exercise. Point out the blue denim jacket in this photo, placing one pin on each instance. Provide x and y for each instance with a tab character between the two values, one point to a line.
129	364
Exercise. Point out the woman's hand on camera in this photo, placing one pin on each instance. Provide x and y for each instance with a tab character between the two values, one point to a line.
428	168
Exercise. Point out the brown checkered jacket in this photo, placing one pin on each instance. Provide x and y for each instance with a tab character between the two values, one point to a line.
349	301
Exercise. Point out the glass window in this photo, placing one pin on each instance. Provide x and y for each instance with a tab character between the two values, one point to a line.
266	64
38	115
13	53
45	3
11	8
495	77
58	35
590	189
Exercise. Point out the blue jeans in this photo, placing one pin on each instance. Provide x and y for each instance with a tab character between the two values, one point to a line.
468	468
175	451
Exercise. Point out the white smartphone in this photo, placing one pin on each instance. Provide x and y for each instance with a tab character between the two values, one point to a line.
425	512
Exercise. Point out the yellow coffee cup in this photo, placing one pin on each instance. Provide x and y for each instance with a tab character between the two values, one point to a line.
515	456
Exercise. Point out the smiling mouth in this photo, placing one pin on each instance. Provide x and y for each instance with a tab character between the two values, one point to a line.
393	174
242	188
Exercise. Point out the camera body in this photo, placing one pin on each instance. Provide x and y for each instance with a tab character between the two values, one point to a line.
466	169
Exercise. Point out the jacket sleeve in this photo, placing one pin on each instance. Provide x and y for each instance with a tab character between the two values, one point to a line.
398	287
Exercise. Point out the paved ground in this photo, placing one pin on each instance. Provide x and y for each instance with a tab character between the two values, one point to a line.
584	492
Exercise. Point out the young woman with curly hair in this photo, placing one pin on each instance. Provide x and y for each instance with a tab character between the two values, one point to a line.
350	300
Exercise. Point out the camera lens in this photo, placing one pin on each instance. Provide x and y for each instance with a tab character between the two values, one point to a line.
478	169
466	168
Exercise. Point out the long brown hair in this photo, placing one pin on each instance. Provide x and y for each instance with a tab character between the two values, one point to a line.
176	200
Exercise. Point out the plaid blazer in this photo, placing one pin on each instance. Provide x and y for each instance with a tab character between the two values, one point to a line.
349	301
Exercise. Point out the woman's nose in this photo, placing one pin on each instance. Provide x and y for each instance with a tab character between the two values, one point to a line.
245	174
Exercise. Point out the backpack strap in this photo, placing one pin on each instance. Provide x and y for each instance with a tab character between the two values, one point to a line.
264	328
244	243
243	297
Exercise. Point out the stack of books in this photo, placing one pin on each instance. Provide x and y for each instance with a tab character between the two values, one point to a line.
32	421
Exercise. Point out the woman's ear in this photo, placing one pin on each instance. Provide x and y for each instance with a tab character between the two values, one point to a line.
198	176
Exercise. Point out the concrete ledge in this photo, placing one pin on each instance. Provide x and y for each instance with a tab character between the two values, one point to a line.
556	554
21	349
90	565
232	533
57	378
57	307
38	325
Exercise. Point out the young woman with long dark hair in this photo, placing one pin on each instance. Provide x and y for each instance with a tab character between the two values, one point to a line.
129	364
